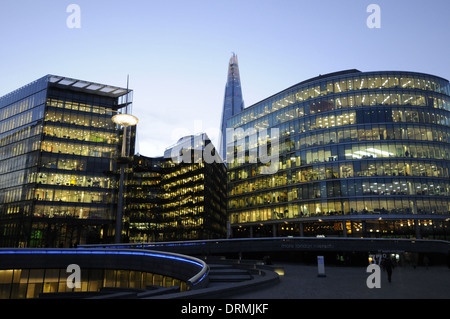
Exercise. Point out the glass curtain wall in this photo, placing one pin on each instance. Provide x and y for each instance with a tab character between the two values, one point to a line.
21	116
58	150
354	143
75	183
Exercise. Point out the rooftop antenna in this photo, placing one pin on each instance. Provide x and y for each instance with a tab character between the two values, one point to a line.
126	101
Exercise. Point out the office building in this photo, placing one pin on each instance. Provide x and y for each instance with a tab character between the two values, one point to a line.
58	150
178	196
360	154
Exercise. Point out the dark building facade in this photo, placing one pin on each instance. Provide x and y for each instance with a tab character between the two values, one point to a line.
143	199
58	149
362	154
168	199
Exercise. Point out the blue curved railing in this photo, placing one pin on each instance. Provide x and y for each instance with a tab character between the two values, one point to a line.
197	279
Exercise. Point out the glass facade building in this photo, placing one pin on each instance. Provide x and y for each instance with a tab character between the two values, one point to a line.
233	102
58	149
173	199
363	154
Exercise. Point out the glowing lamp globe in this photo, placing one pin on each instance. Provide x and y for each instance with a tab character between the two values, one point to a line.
125	119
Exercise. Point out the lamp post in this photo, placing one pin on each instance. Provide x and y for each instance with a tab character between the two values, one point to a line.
124	120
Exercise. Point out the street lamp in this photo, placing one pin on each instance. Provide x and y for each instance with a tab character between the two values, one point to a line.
124	120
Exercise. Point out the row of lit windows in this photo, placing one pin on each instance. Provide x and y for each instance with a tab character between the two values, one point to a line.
86	135
137	236
345	188
23	206
360	133
302	94
168	186
140	210
168	216
136	197
370	133
171	215
73	180
174	200
343	170
318	208
183	223
83	107
185	191
144	174
336	119
65	162
80	119
333	118
30	283
374	150
179	169
78	149
74	196
55	211
404	228
419	150
377	98
137	181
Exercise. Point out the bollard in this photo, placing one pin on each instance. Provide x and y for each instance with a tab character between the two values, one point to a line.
320	267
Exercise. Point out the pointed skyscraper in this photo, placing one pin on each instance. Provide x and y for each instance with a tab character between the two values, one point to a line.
233	102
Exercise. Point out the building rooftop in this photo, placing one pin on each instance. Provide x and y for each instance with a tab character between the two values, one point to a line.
87	86
343	73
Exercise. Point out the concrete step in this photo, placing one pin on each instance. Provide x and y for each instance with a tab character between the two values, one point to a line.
230	278
228	271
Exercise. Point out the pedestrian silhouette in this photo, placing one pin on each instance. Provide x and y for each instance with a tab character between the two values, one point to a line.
388	266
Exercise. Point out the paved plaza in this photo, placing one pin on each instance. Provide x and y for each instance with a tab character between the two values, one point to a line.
301	281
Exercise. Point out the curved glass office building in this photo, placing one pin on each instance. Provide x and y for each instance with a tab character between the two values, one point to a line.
360	154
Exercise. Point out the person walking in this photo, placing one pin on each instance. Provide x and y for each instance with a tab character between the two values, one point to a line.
388	266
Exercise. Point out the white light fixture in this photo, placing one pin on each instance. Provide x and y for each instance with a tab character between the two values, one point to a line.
125	119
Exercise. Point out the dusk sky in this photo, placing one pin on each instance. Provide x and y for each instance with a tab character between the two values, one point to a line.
176	52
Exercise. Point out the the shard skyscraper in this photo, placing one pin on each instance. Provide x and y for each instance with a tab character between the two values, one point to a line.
233	102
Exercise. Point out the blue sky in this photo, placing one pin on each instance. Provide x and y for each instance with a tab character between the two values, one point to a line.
176	52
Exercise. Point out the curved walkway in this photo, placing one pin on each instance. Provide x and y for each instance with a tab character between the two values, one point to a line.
301	281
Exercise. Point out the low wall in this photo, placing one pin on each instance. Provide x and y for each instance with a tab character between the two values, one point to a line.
191	270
